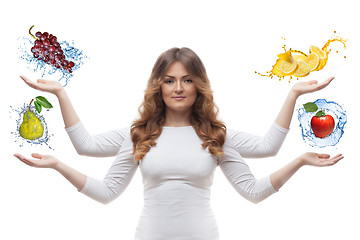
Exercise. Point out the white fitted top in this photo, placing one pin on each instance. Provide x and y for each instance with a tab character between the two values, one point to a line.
177	176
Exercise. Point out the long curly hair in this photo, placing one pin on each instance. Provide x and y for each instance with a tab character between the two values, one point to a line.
146	129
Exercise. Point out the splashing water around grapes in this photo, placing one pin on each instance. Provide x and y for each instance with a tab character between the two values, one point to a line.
19	114
71	53
331	108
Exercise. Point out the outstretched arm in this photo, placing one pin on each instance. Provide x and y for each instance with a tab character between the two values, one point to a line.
255	190
67	110
113	184
252	146
45	161
100	145
285	115
280	177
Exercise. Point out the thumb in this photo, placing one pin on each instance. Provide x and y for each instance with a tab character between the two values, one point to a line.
312	82
323	155
41	81
37	155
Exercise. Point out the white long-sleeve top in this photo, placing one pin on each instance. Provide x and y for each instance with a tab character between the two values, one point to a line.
177	176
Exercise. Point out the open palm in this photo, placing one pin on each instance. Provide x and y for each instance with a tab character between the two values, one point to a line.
43	85
310	86
320	160
41	161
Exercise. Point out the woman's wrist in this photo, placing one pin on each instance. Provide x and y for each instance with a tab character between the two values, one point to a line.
300	161
294	93
58	165
60	93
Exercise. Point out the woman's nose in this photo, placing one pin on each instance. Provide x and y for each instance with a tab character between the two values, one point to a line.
179	87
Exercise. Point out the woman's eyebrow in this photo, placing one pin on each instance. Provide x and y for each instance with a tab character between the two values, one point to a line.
174	77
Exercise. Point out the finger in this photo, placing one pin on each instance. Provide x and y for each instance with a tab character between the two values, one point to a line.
333	160
25	160
330	78
24	78
30	83
337	158
18	155
326	82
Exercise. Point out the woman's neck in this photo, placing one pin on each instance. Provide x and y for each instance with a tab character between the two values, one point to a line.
177	119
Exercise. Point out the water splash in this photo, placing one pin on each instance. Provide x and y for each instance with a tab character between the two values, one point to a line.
331	108
19	114
71	53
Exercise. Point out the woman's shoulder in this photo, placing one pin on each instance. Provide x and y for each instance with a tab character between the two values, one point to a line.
237	138
232	134
123	132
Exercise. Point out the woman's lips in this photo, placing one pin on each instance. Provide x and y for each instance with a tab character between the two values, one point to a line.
178	98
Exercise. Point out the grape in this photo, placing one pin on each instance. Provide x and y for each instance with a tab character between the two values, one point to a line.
53	39
71	64
47	48
52	49
46	42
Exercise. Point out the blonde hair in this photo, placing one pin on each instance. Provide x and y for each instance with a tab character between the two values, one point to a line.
146	129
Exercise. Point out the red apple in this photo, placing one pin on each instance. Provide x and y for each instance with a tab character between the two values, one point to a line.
322	124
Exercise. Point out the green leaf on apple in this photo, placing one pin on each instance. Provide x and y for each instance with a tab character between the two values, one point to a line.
310	107
320	114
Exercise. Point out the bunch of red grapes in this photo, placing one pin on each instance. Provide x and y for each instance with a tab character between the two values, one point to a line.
47	48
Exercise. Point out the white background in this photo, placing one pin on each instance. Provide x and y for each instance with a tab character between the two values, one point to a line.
234	39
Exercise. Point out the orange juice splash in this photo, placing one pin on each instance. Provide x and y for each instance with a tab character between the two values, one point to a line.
276	68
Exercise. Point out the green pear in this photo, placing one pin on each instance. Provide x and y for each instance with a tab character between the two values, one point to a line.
31	127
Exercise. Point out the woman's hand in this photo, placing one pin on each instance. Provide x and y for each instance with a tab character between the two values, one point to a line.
280	177
68	112
285	115
319	160
43	161
46	161
310	86
53	87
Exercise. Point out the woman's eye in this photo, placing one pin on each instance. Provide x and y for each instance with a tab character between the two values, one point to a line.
168	81
188	81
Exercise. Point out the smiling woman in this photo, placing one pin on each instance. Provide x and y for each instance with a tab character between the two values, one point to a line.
177	143
179	73
179	94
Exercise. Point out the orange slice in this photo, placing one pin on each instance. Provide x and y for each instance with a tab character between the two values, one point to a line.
288	68
299	57
303	70
313	60
286	57
322	56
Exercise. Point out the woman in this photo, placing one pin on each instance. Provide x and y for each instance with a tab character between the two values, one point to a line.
177	143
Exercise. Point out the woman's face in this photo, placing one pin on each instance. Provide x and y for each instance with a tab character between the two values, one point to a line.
178	90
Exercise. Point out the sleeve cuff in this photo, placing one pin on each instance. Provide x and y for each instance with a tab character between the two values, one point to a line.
273	189
74	127
84	189
281	129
